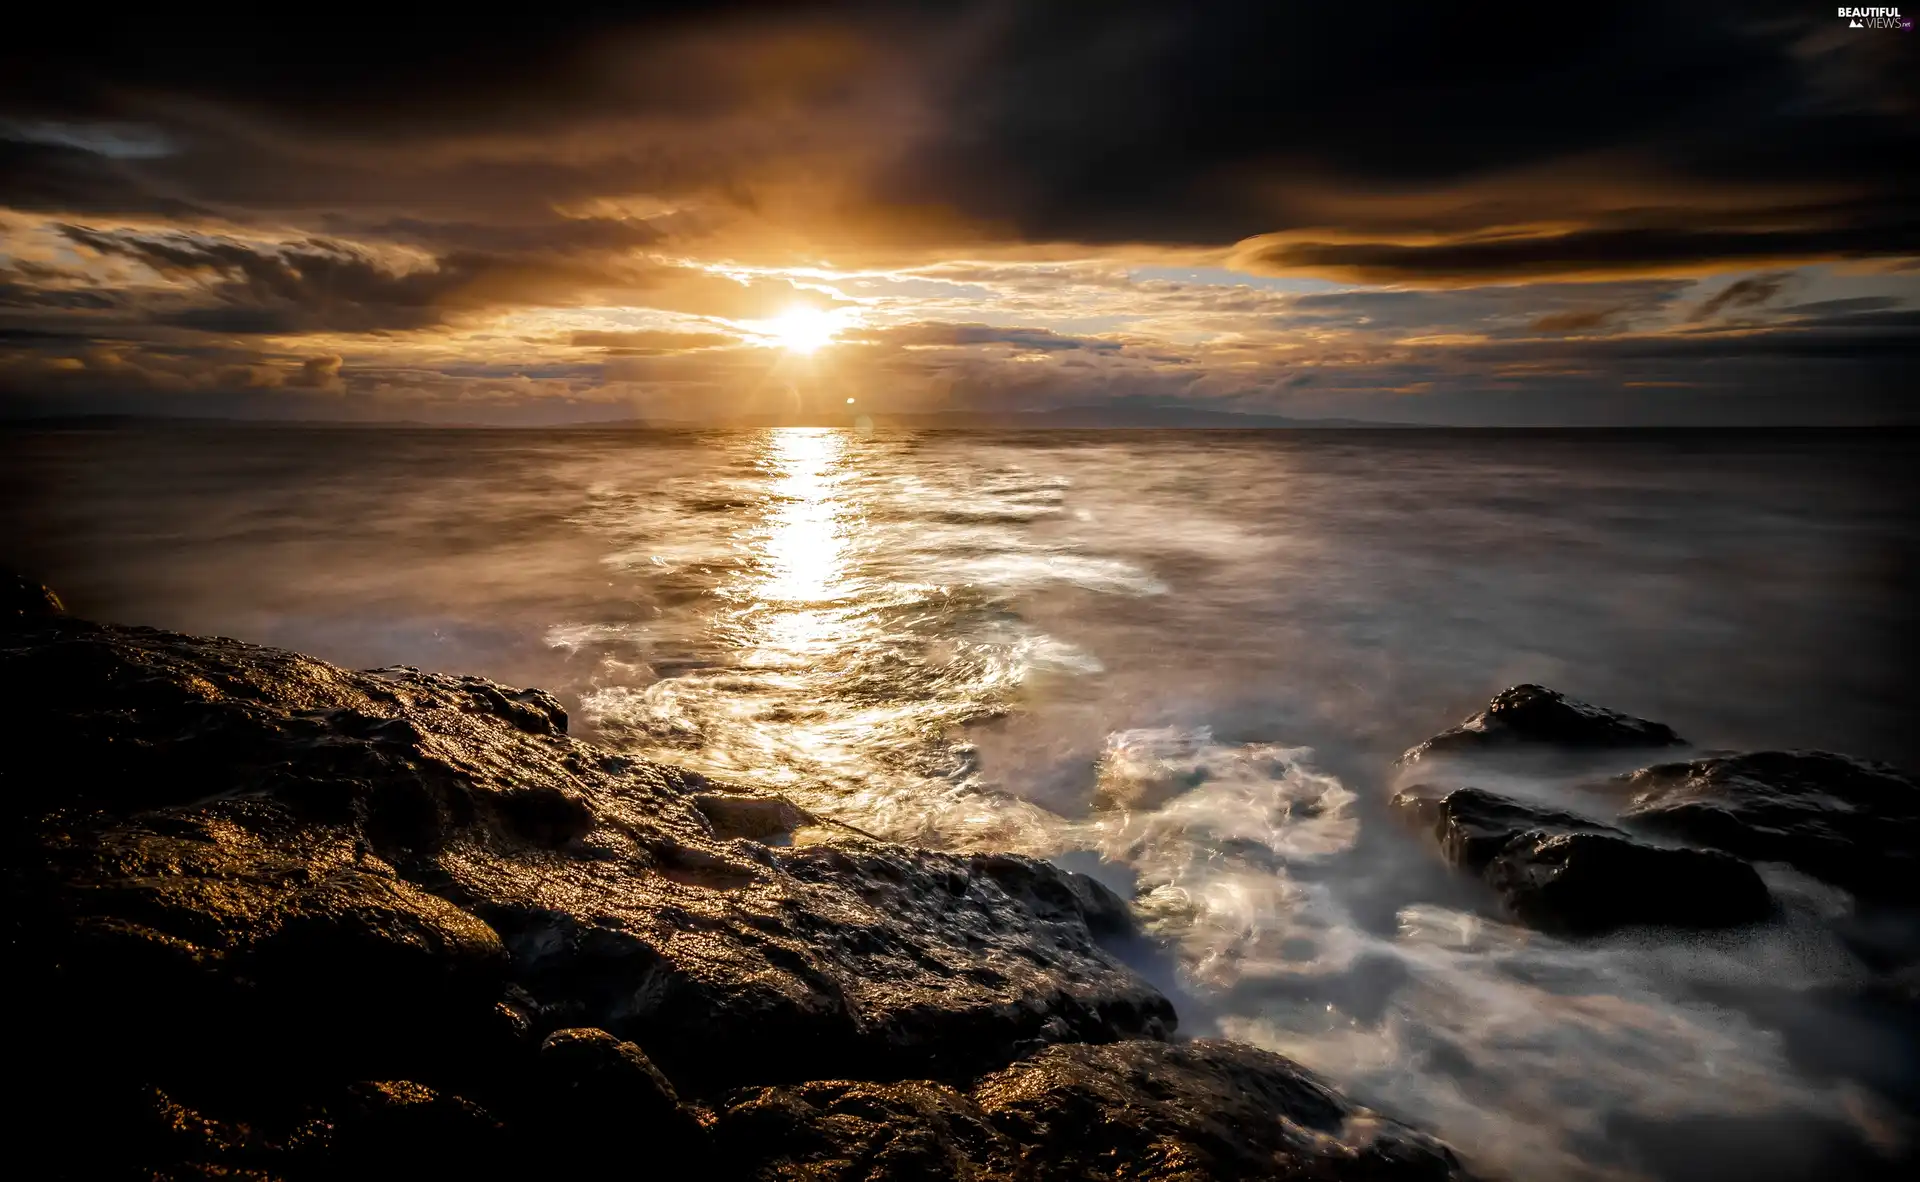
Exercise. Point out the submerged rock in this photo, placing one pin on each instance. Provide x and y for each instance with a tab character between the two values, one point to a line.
1562	872
239	881
1535	717
1191	1112
1846	821
1849	822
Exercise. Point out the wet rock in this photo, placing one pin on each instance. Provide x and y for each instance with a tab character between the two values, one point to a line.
592	1068
755	817
1562	872
238	880
1846	821
546	815
1474	826
1585	883
1194	1112
601	1094
272	875
848	1131
1197	1110
1533	717
1067	898
368	1129
392	1128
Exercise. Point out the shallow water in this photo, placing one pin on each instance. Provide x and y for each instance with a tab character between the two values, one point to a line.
1183	662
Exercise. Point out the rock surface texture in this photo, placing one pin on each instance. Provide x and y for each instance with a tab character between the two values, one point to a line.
1845	821
1678	839
1533	717
268	918
1135	1110
1562	872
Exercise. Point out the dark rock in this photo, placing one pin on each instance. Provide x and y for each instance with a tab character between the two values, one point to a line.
1474	826
1584	883
1150	1111
1562	872
598	1069
848	1131
752	816
22	599
1196	1110
257	814
1069	898
369	1129
1534	717
274	874
1846	821
546	815
601	1094
241	883
393	1128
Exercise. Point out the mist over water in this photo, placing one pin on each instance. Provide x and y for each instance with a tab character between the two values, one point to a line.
1182	662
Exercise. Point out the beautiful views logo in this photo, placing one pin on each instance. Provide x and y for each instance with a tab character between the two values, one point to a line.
1876	18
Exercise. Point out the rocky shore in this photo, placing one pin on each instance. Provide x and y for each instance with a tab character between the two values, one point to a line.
269	918
1672	843
273	919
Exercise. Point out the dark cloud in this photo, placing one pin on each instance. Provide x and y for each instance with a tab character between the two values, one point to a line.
1753	291
1578	320
1640	250
643	342
548	66
1851	305
26	284
1200	124
318	285
1496	310
318	373
314	285
1859	337
1545	202
1213	123
934	333
81	372
72	180
562	235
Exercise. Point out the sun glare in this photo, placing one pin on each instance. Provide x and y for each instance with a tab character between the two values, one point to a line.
801	330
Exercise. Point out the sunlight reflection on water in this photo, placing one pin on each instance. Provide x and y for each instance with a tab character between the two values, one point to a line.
1110	649
803	555
849	644
873	622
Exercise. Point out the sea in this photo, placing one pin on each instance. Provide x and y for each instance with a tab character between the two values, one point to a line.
1184	662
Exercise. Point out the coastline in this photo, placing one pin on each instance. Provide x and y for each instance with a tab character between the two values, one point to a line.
278	919
272	918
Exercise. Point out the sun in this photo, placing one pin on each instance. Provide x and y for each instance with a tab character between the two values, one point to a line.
802	330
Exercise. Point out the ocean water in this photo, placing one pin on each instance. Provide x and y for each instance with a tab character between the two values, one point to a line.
1181	661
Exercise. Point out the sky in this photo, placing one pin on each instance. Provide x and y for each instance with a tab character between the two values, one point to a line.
1655	214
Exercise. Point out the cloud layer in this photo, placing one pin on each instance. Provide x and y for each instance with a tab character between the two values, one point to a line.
1393	213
